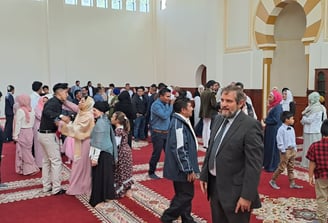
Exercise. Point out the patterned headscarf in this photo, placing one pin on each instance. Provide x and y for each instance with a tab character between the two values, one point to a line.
24	102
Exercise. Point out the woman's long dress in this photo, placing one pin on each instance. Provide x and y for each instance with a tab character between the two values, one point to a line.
25	163
103	179
271	151
80	179
38	150
123	170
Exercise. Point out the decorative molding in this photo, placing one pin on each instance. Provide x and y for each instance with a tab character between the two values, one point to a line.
240	48
325	36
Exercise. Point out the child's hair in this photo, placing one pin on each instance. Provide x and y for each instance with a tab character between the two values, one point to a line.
324	128
286	115
123	120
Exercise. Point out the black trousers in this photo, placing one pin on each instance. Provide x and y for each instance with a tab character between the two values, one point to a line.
159	142
181	203
8	133
222	214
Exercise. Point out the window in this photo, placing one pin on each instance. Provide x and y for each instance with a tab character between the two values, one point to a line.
87	3
144	5
102	3
71	2
117	4
163	4
131	5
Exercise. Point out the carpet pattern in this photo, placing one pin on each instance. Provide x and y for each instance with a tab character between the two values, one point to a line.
151	197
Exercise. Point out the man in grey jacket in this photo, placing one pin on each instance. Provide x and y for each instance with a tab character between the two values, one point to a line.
181	165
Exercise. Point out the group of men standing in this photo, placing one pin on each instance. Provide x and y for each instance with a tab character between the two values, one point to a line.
231	170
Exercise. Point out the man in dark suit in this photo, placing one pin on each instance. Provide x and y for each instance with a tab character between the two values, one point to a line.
9	112
91	89
233	162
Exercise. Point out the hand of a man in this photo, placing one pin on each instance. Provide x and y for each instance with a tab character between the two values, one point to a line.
243	205
203	187
66	119
191	177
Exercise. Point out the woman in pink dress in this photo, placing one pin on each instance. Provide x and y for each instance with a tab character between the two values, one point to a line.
38	151
80	130
23	136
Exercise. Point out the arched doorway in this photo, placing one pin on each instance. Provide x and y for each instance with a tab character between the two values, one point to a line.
289	68
265	22
201	75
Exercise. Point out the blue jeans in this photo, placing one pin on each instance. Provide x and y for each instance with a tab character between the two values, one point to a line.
139	127
159	142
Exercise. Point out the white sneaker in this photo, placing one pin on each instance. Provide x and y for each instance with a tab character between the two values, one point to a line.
274	184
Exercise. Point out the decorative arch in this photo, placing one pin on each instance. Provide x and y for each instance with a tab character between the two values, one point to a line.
266	15
268	11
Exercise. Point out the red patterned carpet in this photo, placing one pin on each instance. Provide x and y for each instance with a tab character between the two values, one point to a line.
24	201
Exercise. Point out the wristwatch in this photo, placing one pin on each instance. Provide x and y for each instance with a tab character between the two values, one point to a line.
60	116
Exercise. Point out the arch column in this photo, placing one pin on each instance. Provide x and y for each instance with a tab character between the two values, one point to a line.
307	57
266	74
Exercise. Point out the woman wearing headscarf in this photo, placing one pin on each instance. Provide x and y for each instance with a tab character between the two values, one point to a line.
23	136
124	105
80	130
312	118
287	102
272	123
38	151
103	155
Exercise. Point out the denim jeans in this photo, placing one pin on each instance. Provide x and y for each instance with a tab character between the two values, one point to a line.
159	142
139	127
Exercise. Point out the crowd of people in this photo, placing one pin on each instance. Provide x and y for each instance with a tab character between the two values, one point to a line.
95	126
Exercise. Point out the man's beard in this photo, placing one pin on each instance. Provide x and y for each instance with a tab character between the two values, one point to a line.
230	114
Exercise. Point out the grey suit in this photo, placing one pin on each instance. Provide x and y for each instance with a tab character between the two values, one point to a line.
238	168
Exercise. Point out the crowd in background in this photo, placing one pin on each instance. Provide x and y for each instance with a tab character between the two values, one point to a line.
127	114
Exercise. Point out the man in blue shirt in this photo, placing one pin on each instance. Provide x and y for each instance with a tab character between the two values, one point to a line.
161	111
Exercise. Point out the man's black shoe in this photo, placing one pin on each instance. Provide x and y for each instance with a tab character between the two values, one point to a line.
62	191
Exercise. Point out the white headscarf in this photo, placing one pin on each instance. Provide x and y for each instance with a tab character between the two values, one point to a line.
285	103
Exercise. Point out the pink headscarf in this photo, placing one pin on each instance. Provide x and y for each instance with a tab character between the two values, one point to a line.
24	102
277	98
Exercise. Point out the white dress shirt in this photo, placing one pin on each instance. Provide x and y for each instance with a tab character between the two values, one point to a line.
286	138
231	120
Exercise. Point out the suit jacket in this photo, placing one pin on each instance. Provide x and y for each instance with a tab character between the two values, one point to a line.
208	105
93	91
238	161
9	105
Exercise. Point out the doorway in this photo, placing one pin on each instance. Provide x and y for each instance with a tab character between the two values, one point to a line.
201	75
289	65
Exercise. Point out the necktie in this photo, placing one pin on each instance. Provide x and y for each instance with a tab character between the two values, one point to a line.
216	144
289	128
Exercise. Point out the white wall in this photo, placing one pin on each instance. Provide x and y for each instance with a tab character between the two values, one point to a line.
188	35
53	42
23	45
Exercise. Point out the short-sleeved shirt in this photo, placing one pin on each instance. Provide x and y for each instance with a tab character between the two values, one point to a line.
318	153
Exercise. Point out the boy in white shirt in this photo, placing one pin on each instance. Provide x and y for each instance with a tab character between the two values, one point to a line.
286	143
